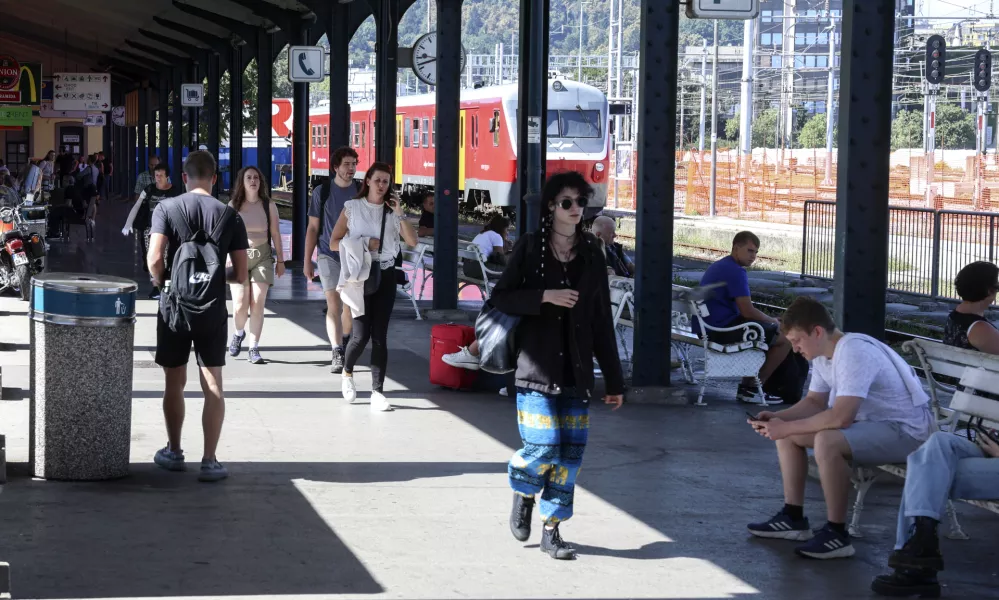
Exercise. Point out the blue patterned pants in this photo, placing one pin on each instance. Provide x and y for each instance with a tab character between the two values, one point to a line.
554	431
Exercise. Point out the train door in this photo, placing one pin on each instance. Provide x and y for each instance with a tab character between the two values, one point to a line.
461	151
398	148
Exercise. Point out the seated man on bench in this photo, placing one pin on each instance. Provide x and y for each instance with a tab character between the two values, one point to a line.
732	305
945	467
865	405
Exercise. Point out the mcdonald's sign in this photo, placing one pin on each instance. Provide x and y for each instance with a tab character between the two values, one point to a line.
28	87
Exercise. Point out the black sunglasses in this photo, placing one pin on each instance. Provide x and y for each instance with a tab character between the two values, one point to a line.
567	203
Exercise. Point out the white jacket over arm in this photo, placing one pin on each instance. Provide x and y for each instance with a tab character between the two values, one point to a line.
355	266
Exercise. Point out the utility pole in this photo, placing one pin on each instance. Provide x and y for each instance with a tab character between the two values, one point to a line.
704	90
618	48
714	125
830	98
580	57
746	100
787	68
610	50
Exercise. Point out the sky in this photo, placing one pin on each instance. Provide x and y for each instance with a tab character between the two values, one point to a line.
959	8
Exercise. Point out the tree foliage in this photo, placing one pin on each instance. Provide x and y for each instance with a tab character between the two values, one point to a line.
813	133
955	128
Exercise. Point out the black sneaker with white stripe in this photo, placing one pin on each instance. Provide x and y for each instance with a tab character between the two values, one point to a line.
827	543
782	527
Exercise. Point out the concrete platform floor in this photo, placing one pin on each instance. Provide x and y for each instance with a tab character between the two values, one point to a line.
328	500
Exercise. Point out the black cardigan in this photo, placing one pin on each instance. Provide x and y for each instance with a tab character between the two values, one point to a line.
540	335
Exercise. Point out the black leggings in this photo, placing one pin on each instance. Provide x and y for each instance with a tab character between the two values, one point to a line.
373	325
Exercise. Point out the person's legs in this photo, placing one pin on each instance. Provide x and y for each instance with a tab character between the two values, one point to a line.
334	318
214	412
241	301
794	466
173	404
779	349
258	302
537	420
382	304
358	339
832	454
573	421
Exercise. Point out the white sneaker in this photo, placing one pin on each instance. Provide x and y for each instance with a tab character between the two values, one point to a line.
379	403
503	392
462	359
347	389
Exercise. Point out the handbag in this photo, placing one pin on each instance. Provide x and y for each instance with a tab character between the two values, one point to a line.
496	333
374	280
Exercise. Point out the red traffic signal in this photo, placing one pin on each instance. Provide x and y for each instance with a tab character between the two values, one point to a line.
983	70
936	58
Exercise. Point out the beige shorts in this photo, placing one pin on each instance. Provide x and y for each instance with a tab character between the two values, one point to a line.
260	262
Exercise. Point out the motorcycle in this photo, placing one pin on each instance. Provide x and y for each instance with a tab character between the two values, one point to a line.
21	254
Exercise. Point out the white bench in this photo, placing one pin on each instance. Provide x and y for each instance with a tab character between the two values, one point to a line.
412	266
474	253
721	361
974	370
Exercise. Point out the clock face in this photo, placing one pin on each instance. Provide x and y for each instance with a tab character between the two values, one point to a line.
425	58
118	116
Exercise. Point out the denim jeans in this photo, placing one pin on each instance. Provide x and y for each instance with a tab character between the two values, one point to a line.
945	467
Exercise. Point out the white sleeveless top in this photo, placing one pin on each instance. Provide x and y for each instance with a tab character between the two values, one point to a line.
364	220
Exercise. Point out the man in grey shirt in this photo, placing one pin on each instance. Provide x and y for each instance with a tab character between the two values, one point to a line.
324	210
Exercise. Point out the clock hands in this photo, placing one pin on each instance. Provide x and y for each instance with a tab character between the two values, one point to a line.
426	62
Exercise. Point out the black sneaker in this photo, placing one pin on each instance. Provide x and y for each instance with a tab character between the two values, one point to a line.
235	346
554	546
154	294
827	543
520	517
921	550
255	357
904	583
782	527
336	367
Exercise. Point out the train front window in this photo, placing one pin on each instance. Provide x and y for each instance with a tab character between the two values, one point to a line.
553	123
579	123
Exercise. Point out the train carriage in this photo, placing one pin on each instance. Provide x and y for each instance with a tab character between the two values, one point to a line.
576	124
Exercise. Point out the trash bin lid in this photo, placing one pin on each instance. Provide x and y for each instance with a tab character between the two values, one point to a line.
82	299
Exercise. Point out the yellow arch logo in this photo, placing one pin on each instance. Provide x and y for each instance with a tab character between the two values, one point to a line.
33	98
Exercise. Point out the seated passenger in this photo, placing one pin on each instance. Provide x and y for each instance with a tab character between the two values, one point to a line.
967	327
492	245
864	404
731	305
945	467
618	263
426	225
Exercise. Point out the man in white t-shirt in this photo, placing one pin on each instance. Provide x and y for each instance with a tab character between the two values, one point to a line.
865	406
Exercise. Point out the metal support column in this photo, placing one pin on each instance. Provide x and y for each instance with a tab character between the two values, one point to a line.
861	272
532	134
656	168
177	154
130	155
212	108
265	93
446	154
339	39
193	116
142	154
386	74
235	113
164	116
299	158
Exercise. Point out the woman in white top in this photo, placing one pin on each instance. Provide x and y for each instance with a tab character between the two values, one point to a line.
492	246
251	200
362	219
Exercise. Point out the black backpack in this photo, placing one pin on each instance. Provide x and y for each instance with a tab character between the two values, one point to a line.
195	299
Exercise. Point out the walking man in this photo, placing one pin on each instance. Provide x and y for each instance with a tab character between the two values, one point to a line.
198	260
324	210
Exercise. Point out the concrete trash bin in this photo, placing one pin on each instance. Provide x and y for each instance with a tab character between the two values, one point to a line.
82	335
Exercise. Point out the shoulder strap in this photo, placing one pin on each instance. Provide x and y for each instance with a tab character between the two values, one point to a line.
381	234
179	221
217	230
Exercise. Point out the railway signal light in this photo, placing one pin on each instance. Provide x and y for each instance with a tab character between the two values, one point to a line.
936	58
983	70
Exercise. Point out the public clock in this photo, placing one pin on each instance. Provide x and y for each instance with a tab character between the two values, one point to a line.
118	116
425	58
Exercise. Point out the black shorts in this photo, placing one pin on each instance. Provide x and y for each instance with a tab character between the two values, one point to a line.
174	349
770	332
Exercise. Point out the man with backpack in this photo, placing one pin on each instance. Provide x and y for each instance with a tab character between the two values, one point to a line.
324	210
191	236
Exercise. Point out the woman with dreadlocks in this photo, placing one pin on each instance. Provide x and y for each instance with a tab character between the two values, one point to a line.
556	281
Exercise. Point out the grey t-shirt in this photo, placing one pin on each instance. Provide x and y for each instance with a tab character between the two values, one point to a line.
334	206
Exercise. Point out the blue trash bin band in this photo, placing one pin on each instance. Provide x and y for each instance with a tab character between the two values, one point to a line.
82	300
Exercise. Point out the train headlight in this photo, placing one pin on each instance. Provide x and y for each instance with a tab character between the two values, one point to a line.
599	167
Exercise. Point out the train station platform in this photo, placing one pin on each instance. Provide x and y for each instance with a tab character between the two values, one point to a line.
328	500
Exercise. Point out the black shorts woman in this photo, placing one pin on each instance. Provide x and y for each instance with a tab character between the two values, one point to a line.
556	281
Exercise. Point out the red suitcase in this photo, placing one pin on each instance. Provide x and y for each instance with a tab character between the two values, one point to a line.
445	339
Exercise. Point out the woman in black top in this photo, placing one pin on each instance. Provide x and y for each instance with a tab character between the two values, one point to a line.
556	281
967	327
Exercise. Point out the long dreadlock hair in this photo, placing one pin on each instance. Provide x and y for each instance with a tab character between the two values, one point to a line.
553	187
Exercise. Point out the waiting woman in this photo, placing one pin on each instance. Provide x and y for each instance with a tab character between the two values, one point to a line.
363	218
556	281
967	327
260	216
